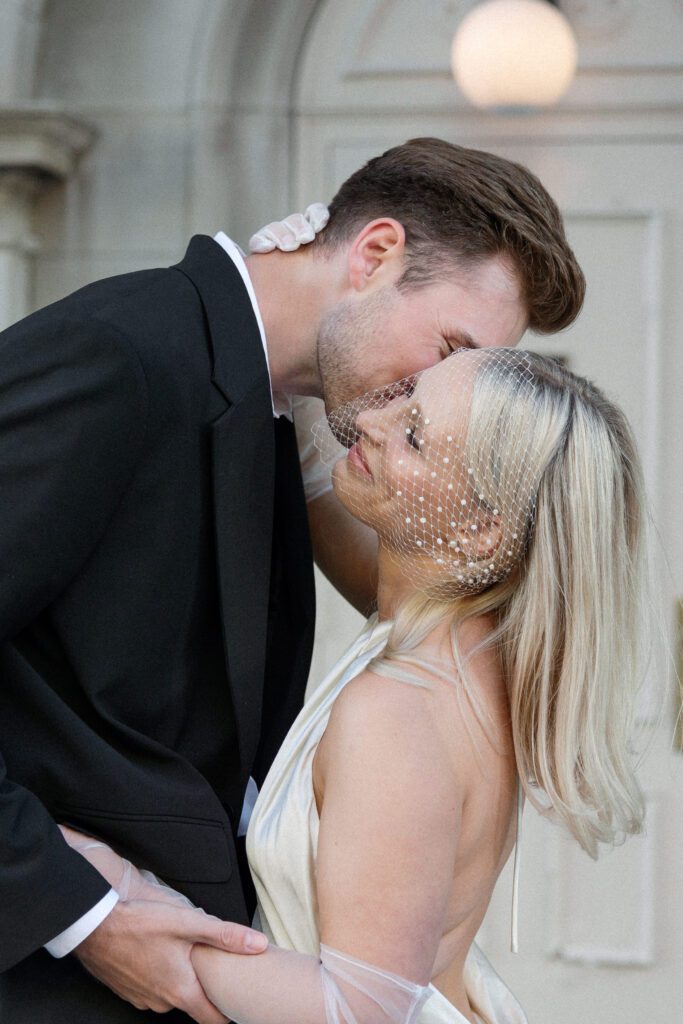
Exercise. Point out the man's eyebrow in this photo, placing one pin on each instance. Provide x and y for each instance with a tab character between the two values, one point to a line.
464	338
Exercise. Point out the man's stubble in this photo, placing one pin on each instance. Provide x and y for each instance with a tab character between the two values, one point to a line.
352	346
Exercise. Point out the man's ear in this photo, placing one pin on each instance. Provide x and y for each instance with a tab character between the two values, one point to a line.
376	254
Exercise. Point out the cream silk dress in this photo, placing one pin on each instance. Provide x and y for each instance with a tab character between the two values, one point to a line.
282	843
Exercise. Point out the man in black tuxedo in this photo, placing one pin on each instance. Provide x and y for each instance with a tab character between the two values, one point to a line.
156	593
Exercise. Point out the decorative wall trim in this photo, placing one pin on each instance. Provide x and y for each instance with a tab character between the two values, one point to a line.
42	141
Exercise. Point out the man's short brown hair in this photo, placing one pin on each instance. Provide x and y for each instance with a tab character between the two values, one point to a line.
463	206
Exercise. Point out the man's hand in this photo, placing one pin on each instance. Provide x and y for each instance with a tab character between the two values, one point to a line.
141	951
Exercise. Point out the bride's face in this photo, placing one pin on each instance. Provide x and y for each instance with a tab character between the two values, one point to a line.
407	474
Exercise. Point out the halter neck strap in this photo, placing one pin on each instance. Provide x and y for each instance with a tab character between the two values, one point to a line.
514	936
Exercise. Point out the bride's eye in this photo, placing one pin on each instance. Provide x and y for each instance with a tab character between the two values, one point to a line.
411	437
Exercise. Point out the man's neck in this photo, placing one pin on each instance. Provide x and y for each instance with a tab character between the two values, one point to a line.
294	290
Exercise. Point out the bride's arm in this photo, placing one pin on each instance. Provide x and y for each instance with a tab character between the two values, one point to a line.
345	551
390	822
286	990
388	835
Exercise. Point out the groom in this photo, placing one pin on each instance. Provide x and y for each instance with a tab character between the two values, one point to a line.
156	594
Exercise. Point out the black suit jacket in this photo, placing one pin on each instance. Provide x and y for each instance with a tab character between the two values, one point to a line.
156	603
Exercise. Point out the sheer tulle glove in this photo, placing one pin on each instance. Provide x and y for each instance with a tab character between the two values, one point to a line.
295	230
356	992
287	235
317	475
129	882
285	987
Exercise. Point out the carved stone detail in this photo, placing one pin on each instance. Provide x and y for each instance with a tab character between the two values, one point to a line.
42	141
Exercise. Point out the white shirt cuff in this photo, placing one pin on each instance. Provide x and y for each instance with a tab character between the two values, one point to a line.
81	929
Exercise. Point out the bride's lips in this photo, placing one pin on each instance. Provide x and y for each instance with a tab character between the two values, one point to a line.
357	459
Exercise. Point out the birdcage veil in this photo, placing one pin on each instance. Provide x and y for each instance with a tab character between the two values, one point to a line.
423	465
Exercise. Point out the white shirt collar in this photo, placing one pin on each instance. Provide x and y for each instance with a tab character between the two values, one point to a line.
282	403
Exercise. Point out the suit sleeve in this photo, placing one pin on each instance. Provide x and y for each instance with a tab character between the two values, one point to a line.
73	412
79	931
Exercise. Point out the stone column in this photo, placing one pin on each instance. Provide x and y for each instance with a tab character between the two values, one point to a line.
17	189
36	149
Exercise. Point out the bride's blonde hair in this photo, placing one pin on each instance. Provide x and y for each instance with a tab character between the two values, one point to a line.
570	618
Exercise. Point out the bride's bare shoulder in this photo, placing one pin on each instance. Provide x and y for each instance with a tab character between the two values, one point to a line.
420	710
381	727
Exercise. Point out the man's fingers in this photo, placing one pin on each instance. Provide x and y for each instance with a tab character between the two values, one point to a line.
205	1012
194	1003
234	938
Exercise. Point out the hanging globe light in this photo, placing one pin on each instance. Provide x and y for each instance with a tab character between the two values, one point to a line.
514	55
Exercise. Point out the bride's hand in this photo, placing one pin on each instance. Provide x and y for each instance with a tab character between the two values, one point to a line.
141	950
109	864
129	882
292	232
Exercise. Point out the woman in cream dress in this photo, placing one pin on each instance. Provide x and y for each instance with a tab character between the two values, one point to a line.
507	499
283	839
504	655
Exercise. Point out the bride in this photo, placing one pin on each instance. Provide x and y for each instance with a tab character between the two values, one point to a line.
504	658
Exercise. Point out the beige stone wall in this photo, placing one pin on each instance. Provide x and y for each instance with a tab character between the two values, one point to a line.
190	103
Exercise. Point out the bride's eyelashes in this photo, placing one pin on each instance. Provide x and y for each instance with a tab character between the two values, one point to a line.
411	437
413	427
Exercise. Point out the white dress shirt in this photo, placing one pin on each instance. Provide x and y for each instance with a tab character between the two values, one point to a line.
282	403
67	940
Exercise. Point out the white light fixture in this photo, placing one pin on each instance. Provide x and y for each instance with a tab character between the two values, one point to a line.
514	55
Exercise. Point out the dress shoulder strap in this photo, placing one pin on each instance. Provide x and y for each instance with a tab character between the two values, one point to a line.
514	928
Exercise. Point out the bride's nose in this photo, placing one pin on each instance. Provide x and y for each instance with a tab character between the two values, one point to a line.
372	424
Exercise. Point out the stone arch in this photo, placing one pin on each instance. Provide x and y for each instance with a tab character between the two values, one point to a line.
191	103
250	133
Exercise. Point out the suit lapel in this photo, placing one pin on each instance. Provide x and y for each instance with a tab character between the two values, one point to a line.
292	603
243	464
